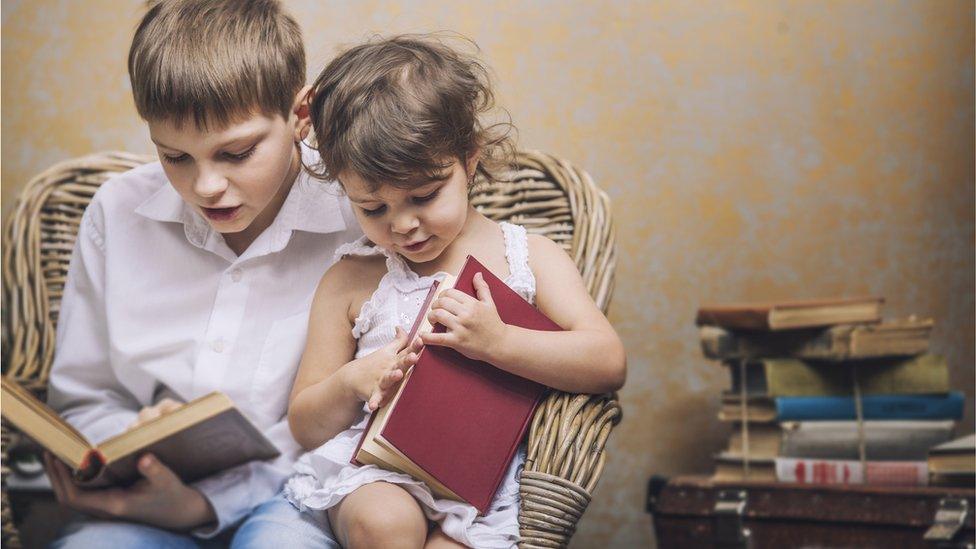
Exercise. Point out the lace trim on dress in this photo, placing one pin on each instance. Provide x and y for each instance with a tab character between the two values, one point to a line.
521	279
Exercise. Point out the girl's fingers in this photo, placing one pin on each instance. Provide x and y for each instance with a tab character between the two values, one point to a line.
456	295
482	290
440	316
405	362
448	304
443	339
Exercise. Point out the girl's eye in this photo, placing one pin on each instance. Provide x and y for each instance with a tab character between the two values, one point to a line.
238	157
426	197
375	211
176	159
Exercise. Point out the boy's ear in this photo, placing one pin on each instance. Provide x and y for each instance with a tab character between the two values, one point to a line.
301	110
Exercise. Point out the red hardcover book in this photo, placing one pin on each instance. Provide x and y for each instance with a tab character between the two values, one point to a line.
459	420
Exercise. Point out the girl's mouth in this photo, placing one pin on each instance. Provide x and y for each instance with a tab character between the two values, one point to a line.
221	214
417	246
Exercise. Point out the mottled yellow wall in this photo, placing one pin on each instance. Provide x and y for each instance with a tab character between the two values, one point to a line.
752	150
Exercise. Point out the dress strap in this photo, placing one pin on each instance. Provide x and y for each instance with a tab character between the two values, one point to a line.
521	279
361	246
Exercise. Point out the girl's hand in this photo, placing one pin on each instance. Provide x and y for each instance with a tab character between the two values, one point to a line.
474	328
376	377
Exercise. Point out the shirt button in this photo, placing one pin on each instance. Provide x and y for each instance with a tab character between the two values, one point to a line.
236	275
217	346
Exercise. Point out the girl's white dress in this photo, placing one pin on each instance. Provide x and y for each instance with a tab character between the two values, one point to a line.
326	475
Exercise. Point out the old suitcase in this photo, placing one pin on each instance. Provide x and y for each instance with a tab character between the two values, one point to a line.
696	512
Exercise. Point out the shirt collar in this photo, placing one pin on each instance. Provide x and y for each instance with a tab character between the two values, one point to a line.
311	206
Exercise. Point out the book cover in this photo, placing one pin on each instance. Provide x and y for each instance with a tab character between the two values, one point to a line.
200	438
462	420
903	337
786	315
833	471
954	458
873	407
923	374
842	408
883	440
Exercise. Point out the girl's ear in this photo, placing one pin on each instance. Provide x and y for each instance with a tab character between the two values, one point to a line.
300	108
472	164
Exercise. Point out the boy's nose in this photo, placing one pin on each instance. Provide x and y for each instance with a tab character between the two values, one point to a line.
209	183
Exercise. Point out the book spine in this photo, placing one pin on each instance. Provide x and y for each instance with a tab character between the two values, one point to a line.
884	440
830	471
721	344
874	407
924	374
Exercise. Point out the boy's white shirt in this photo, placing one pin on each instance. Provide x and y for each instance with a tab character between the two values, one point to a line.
157	304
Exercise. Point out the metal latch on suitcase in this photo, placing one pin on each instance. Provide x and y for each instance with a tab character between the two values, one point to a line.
729	531
948	521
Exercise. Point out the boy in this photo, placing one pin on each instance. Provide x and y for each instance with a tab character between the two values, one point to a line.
195	274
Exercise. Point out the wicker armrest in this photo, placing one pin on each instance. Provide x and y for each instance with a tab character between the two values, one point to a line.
564	460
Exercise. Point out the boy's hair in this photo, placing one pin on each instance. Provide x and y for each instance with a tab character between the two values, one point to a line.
398	111
216	61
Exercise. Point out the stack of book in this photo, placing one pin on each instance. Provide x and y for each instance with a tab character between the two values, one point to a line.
826	392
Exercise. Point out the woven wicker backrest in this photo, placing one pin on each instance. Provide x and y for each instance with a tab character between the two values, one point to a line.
38	238
546	195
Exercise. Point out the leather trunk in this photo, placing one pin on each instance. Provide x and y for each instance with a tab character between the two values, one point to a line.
696	512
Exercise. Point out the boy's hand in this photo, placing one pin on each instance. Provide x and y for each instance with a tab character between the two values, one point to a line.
159	498
375	377
150	413
474	328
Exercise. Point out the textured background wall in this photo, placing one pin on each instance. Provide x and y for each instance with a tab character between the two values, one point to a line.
753	150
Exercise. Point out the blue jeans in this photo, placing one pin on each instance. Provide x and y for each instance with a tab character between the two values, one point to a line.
275	523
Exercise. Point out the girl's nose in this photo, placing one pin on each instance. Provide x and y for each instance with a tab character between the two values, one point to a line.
209	183
405	223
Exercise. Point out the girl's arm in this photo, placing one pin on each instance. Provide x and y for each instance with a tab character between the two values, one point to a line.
587	357
330	386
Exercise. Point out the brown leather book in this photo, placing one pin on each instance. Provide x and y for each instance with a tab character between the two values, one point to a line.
200	438
788	315
900	337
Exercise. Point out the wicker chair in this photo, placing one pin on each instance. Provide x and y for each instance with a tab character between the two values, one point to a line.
546	195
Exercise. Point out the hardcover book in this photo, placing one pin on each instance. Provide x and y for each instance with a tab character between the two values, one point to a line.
840	408
200	438
456	423
839	471
883	440
787	315
924	374
953	463
904	337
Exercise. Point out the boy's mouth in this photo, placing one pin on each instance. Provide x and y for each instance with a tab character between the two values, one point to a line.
221	214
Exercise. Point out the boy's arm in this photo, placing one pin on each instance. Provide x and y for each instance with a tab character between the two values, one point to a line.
83	387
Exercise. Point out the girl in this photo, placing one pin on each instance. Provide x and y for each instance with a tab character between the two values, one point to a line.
397	124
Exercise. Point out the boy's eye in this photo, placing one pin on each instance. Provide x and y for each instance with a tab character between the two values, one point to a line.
426	197
237	157
176	159
375	211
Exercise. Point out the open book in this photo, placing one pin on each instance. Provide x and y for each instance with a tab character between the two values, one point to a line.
200	438
456	423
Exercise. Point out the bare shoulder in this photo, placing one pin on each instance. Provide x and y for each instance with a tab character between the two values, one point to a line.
350	282
544	254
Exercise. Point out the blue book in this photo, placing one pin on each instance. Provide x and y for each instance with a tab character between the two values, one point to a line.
876	407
